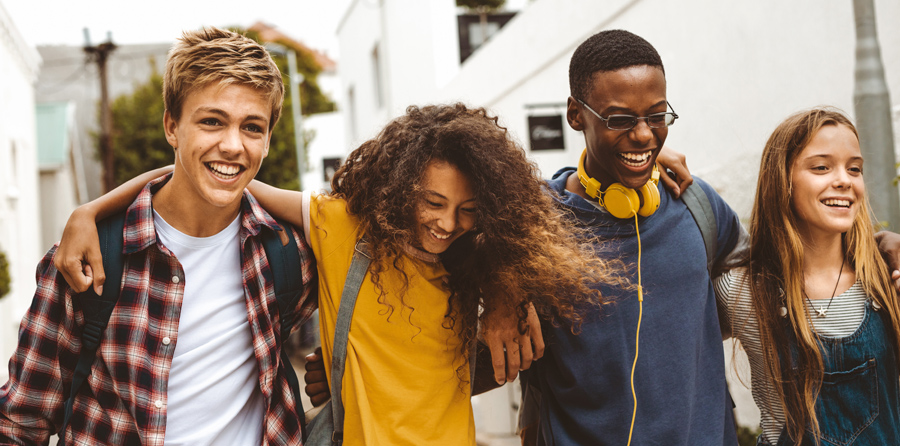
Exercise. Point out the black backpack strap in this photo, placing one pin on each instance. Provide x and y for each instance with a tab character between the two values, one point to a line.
97	309
285	263
698	204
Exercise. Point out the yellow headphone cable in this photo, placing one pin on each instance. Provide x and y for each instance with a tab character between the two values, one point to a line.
637	335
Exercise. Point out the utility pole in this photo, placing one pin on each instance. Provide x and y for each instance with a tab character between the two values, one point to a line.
296	78
99	54
872	105
299	143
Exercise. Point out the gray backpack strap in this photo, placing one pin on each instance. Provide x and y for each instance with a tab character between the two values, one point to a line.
352	284
698	203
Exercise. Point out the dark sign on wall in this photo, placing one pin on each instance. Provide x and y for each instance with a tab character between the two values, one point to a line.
329	167
546	132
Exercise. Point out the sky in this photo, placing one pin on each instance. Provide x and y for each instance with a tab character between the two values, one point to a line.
47	22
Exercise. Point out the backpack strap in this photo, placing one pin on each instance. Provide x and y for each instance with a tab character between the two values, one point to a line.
97	309
285	263
698	204
358	267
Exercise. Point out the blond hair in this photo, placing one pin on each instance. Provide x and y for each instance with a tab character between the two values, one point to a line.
212	55
776	270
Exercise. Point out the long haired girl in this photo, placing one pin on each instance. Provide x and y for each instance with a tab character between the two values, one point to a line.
813	305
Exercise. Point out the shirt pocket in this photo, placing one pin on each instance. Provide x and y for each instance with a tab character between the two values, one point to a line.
847	403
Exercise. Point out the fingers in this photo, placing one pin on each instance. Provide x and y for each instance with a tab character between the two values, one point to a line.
686	181
498	358
526	352
95	265
314	360
671	184
534	332
316	381
896	277
73	271
316	387
513	360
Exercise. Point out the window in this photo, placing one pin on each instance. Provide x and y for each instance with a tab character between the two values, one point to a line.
376	75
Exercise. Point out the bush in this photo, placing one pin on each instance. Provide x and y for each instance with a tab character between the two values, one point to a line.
5	278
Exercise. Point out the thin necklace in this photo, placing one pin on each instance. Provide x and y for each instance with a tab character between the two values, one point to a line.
821	312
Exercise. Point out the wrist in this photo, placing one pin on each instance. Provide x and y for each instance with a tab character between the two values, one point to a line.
88	210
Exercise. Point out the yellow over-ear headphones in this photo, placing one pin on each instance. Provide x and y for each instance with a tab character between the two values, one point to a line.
621	201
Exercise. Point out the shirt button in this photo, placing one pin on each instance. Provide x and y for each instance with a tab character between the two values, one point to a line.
158	404
166	341
175	279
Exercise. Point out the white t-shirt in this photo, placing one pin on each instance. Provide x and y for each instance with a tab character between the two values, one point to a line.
213	388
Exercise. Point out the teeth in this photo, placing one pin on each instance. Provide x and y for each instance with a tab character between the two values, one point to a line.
222	170
836	202
441	237
634	159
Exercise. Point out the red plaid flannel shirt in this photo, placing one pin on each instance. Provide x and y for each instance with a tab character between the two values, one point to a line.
126	399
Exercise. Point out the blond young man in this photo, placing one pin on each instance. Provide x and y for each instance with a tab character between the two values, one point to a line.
191	352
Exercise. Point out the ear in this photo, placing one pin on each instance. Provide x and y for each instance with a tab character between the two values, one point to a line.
268	142
573	114
170	125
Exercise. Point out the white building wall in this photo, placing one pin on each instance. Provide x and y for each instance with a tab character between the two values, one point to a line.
734	71
328	143
19	217
417	52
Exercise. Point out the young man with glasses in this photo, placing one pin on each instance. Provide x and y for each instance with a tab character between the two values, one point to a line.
618	100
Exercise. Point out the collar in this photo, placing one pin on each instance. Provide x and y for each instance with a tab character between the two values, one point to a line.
140	233
419	254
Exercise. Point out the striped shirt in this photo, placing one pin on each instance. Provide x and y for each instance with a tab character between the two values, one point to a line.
733	294
124	399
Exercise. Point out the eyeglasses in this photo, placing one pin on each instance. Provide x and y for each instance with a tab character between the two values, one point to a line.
627	122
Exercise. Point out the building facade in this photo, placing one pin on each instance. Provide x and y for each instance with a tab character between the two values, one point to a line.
19	199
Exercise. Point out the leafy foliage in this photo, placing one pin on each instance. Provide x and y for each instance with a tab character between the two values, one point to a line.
140	142
5	278
747	436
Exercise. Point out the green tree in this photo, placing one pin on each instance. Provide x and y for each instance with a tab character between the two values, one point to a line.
489	5
140	142
5	279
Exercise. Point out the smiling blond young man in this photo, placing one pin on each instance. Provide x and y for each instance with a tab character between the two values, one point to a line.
191	352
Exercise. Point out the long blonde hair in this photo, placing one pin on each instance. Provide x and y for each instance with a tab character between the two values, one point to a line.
776	270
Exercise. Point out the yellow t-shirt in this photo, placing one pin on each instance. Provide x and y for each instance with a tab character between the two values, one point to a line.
400	384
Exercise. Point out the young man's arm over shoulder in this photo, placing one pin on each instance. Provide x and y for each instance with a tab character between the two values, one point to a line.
32	401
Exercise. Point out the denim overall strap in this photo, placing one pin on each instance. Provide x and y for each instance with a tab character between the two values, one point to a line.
859	403
358	267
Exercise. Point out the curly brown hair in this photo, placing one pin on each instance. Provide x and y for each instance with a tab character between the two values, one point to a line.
522	248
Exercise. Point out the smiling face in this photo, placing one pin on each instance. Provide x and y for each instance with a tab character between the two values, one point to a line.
220	141
621	156
827	183
447	209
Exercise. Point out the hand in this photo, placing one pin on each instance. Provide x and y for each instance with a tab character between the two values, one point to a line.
316	383
512	348
889	245
674	161
78	257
